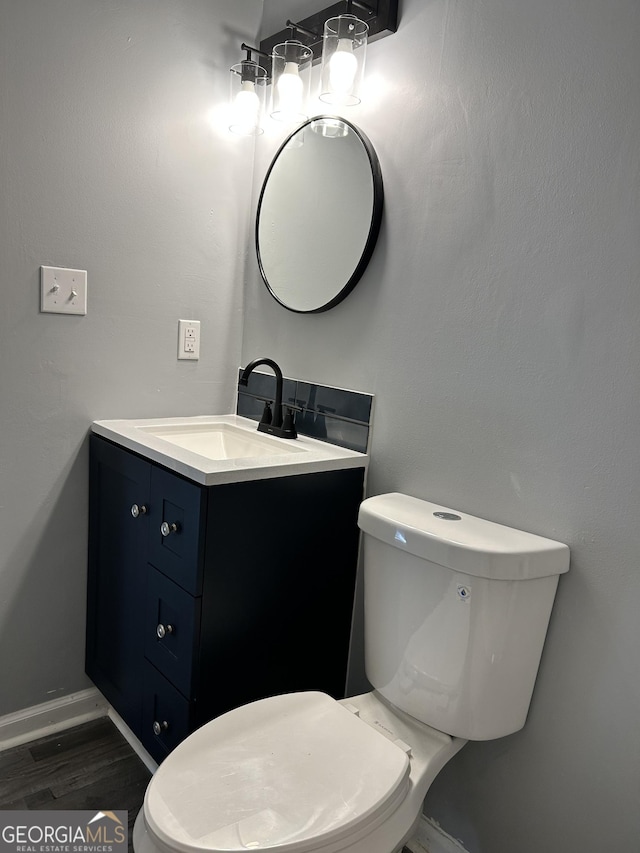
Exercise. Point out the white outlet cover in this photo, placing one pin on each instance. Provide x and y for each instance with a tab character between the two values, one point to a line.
188	340
63	291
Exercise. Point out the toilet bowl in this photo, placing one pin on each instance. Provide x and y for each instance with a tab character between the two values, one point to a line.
301	772
453	640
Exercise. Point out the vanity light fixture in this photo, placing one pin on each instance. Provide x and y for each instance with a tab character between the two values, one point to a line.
248	86
334	35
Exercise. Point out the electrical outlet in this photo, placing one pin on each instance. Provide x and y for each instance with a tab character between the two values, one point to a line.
63	291
189	339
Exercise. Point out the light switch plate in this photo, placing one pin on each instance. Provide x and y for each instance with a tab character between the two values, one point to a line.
189	339
63	291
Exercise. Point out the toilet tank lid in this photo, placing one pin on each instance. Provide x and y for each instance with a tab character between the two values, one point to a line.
460	541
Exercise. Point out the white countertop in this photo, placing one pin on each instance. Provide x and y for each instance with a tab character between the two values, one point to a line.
311	456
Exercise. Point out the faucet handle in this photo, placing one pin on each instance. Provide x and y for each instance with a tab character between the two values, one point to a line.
267	414
288	426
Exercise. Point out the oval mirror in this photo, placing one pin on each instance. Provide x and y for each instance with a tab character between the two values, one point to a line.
319	214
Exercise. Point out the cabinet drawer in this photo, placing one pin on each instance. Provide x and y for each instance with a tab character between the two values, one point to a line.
166	715
176	529
171	630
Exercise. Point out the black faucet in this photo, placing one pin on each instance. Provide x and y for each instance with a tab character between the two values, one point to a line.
280	426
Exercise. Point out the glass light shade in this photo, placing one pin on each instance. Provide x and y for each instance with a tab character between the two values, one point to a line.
290	69
344	47
248	87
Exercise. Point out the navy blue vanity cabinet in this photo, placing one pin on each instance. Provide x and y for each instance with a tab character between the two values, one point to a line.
205	598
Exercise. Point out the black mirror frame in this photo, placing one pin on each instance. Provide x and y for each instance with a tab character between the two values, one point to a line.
374	227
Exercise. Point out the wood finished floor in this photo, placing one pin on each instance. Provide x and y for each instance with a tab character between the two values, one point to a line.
88	767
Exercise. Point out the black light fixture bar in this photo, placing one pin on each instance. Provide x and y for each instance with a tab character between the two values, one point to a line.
298	28
381	16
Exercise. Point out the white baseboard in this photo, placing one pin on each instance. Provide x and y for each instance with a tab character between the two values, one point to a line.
132	740
430	838
51	717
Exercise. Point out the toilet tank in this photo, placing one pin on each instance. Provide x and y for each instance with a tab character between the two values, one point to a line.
456	612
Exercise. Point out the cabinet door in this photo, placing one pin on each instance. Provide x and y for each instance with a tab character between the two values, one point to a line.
166	714
171	630
117	564
177	529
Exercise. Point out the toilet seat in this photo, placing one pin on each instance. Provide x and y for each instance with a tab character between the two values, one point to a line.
290	773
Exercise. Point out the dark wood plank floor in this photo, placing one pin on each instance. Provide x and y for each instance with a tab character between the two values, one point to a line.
88	767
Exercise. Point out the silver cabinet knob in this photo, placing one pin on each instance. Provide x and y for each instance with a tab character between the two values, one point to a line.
166	529
138	509
163	630
158	728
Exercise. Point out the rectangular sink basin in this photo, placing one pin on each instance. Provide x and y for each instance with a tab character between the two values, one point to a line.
222	441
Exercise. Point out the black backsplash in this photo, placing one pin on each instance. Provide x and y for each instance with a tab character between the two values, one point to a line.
329	414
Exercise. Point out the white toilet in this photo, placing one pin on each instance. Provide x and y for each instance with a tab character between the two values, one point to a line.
456	611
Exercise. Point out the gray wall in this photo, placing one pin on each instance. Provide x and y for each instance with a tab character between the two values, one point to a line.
498	326
108	163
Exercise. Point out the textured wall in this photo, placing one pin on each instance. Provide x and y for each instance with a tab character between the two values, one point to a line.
108	163
498	326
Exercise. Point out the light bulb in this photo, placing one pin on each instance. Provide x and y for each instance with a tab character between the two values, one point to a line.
343	66
246	109
290	90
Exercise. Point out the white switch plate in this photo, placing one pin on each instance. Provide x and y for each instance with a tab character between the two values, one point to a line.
63	291
189	339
